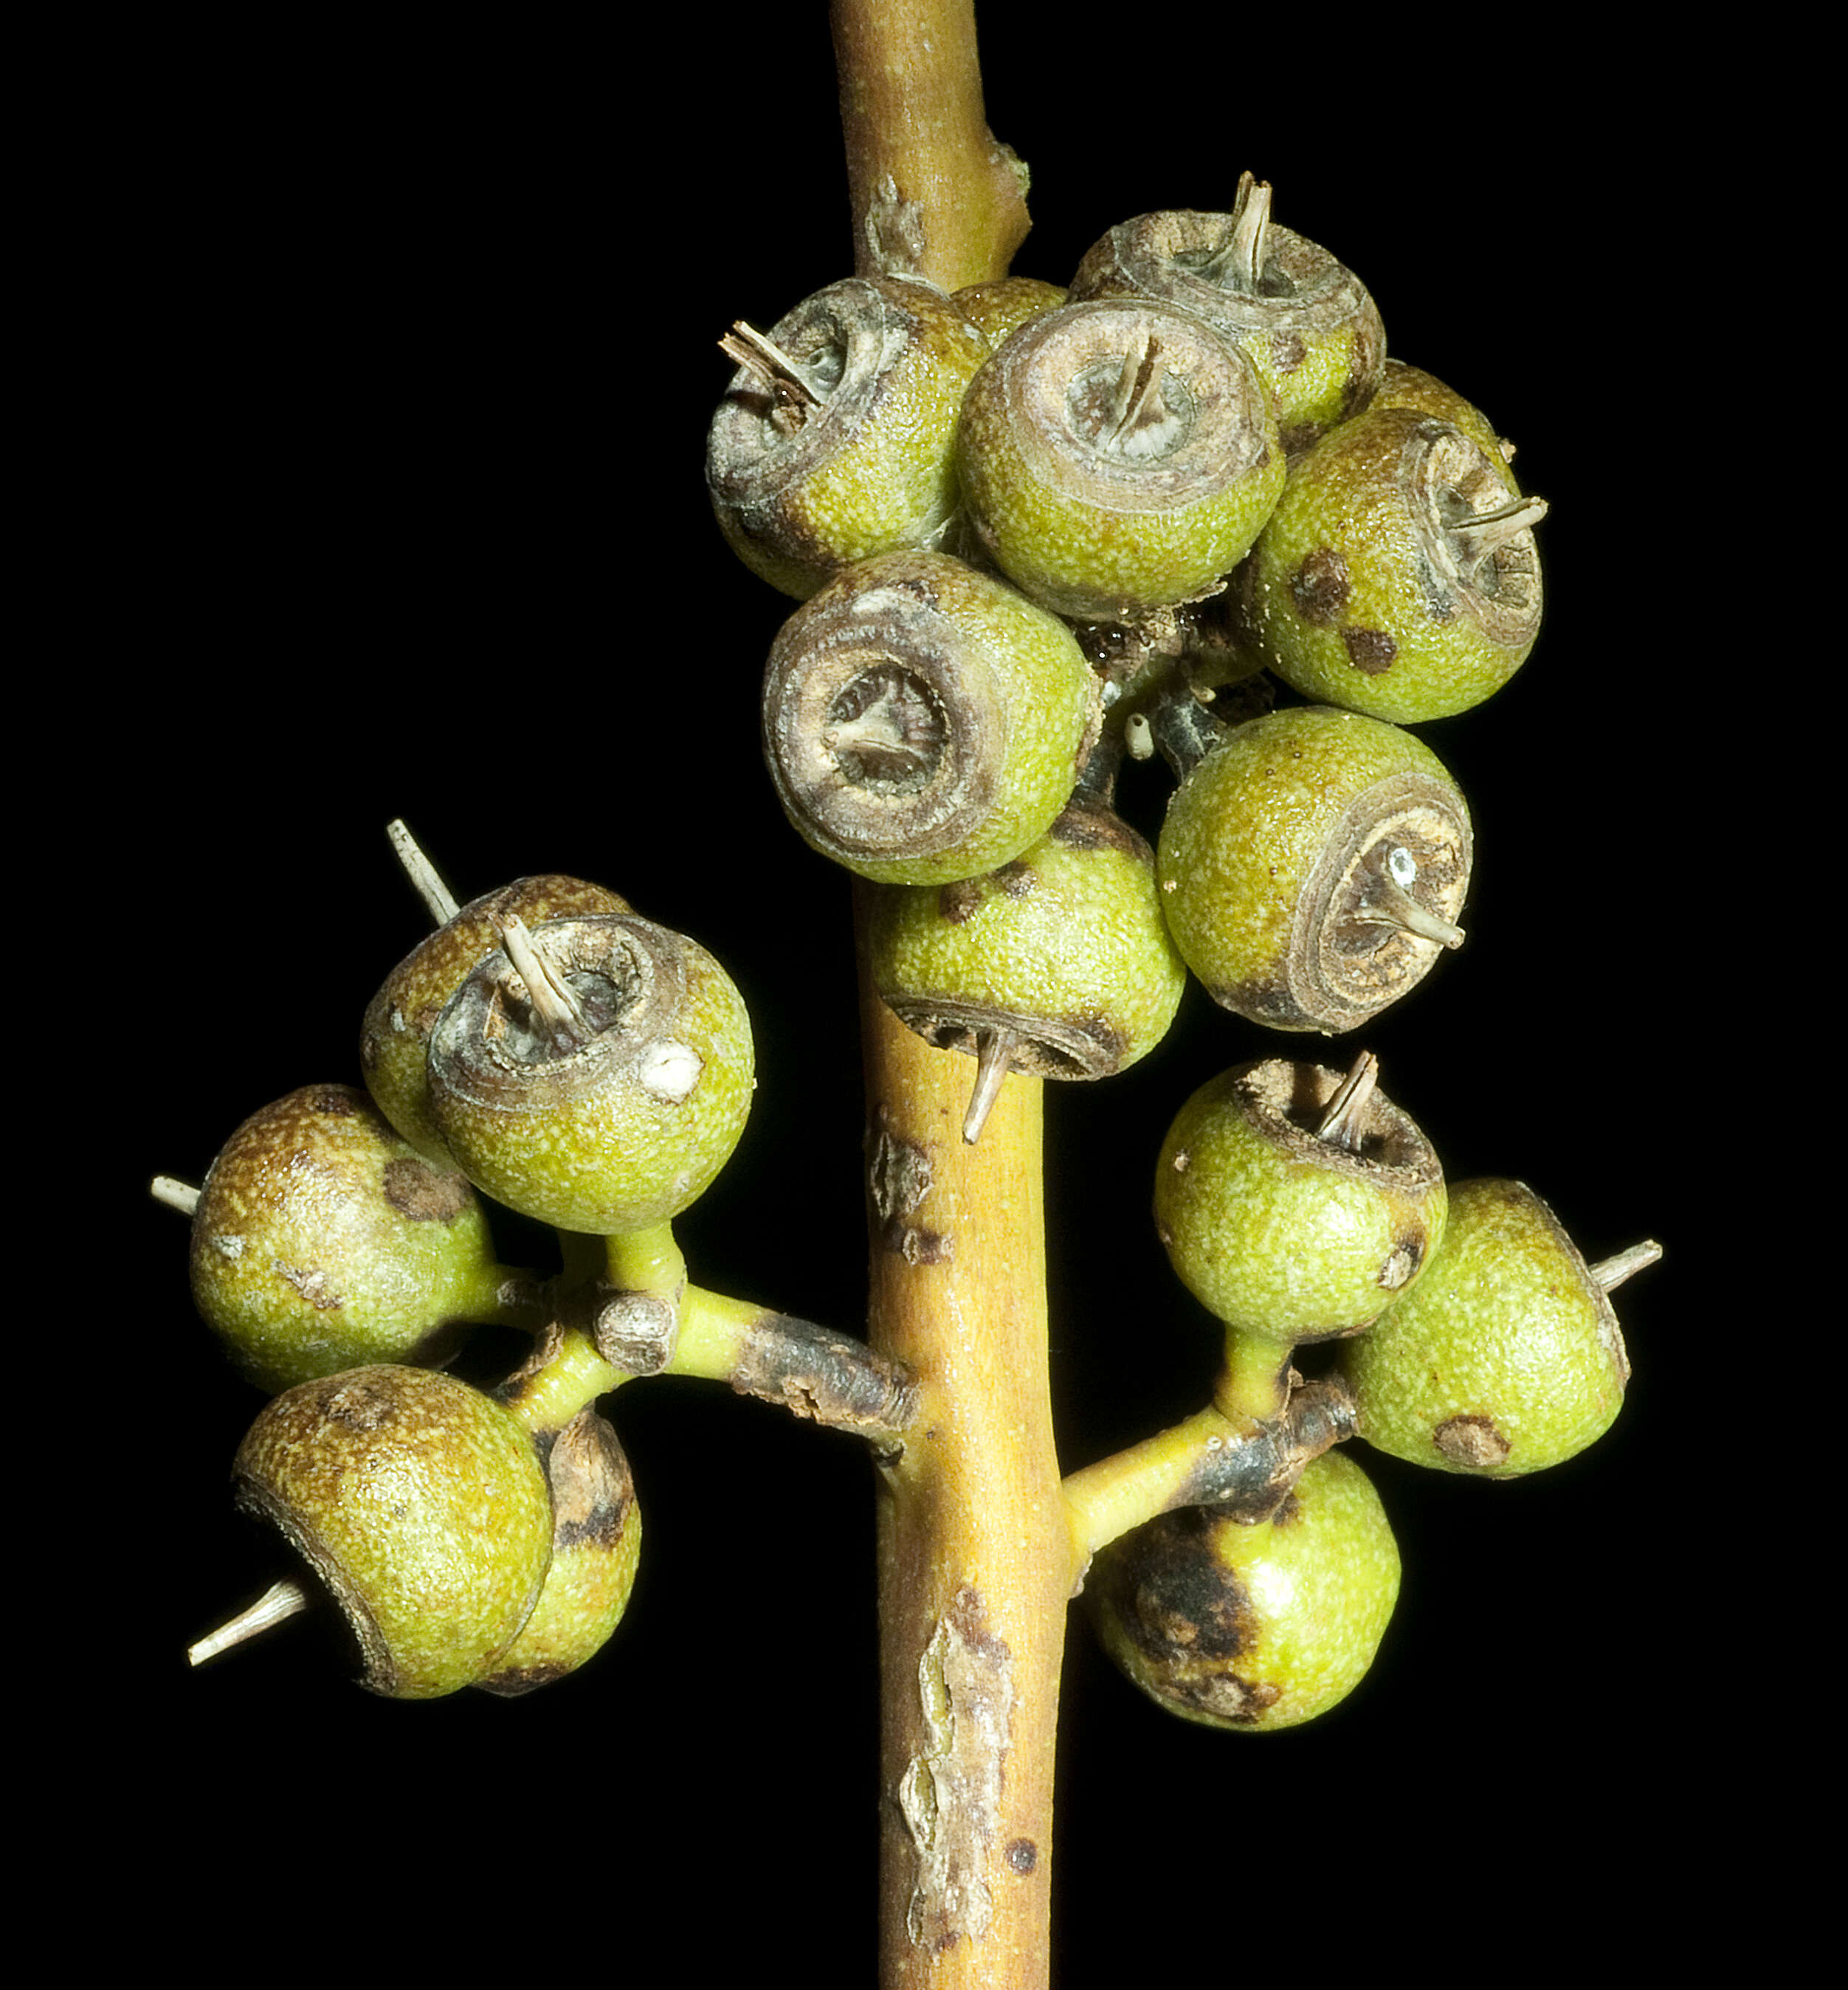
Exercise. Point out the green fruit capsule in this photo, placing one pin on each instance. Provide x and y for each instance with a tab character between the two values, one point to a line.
924	722
1507	1357
1312	865
394	1039
1117	457
1306	322
596	1535
1295	1203
321	1241
999	306
835	440
1253	1628
420	1505
1058	964
596	1075
1403	386
1397	575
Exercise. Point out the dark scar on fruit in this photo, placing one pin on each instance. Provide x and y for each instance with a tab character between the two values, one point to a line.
1370	650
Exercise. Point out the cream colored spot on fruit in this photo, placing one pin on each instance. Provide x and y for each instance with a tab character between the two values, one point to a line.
227	1246
669	1070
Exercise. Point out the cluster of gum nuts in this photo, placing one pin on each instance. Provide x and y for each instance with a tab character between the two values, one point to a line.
1037	530
1033	532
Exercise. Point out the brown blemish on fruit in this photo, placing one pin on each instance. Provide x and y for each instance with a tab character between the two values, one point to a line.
1228	1697
949	1792
1289	1514
1287	350
1016	879
1371	650
310	1286
333	1101
1408	1253
1023	1854
1473	1441
1320	586
592	1489
959	901
360	1403
417	1190
1082	826
1177	1601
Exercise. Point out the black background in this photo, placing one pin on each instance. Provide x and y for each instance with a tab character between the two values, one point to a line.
414	523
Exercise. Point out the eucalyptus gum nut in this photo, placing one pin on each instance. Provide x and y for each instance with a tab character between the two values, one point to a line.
595	1544
618	1130
394	1038
321	1241
1403	386
1309	327
1505	1357
1104	491
1277	857
420	1505
1065	944
1284	1236
1365	589
1252	1627
924	722
998	306
870	468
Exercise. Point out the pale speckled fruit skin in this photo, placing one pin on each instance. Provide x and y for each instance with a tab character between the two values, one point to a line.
323	1241
1275	1246
997	307
1243	832
596	1548
887	477
1336	596
1502	1353
394	1037
1034	680
1070	931
1083	557
621	1157
420	1504
1403	386
1252	1628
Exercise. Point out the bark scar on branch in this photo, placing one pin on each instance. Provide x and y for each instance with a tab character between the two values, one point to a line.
950	1792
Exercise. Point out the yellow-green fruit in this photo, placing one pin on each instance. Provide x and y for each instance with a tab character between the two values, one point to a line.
612	1121
1396	575
1403	386
1305	322
394	1039
1312	866
1253	1628
862	461
924	722
321	1241
1065	945
1286	1235
596	1538
998	306
421	1506
1117	457
1507	1357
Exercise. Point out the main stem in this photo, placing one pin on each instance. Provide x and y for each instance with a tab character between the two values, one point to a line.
976	1554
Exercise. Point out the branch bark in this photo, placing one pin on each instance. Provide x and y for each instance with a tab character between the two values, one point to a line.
934	194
